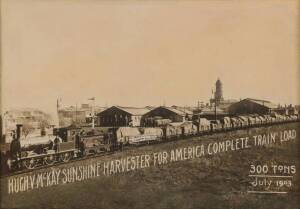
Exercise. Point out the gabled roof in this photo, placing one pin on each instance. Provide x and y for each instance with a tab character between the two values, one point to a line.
265	103
134	110
178	111
150	107
173	110
186	110
130	110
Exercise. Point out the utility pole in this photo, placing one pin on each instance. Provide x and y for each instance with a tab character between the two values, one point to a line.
215	109
215	101
58	103
76	114
93	112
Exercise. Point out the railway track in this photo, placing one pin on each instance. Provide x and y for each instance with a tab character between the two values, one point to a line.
78	159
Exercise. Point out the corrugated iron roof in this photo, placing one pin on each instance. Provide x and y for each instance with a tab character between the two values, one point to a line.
177	111
134	110
265	103
186	110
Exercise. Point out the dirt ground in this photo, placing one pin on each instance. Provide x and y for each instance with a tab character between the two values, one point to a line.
215	182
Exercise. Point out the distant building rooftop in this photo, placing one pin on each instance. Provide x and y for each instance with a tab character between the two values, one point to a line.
265	103
211	111
179	111
131	110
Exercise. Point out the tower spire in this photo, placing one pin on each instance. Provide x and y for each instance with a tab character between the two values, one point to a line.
219	91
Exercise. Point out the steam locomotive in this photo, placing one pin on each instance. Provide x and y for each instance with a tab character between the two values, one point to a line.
76	142
64	145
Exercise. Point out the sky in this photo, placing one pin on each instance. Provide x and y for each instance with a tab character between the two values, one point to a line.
138	53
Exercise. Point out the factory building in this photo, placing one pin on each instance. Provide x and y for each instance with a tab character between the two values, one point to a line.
287	110
116	116
33	121
80	115
163	113
252	106
71	116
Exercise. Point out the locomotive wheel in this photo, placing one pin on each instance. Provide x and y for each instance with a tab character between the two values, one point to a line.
97	151
30	163
49	160
66	157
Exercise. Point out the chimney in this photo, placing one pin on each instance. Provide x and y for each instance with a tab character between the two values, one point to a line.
43	131
19	130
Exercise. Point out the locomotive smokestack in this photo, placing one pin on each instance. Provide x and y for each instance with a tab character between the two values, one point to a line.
19	130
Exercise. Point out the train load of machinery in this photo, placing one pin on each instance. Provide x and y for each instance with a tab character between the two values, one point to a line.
76	142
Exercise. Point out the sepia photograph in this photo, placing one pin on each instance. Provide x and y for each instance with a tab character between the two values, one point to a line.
150	104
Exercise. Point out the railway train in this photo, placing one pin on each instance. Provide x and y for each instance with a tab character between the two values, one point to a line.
74	142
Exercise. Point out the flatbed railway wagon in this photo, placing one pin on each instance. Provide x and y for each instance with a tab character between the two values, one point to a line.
226	123
95	144
170	131
235	123
244	121
216	126
137	136
189	129
86	142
